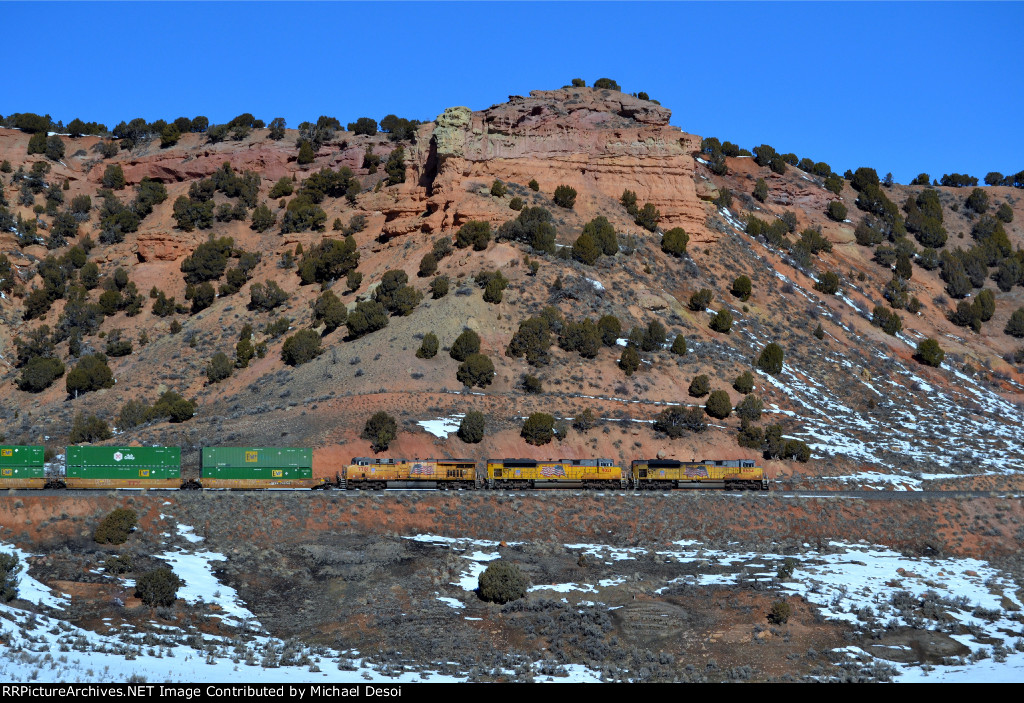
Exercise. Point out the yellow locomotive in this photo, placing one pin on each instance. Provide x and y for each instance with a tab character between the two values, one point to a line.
730	474
377	474
531	473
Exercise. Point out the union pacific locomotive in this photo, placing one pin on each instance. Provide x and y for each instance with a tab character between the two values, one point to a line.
245	468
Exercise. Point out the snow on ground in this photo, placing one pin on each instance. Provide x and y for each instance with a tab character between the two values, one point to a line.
188	532
442	426
40	647
969	427
196	570
849	582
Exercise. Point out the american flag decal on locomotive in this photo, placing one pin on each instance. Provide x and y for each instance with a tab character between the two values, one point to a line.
552	471
696	472
421	469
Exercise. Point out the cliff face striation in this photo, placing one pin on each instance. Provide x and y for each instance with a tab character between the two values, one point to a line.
599	142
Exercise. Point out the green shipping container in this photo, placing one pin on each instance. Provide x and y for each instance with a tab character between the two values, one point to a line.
259	463
122	463
17	462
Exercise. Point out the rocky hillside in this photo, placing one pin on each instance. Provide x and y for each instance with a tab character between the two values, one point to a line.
868	407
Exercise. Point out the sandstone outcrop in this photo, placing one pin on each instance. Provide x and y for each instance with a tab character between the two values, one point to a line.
599	142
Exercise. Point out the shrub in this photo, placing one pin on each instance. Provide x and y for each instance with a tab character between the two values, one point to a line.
113	177
471	429
699	386
744	383
606	84
498	189
516	203
474	233
583	337
172	406
532	339
208	260
887	319
629	361
780	613
381	429
89	429
395	166
742	288
718	406
284	187
202	296
929	352
118	564
476	370
301	347
565	196
674	241
262	218
1015	325
428	348
977	200
534	185
158	588
1005	213
827	283
532	384
116	526
39	373
836	210
244	351
750	408
330	311
648	217
90	374
653	337
9	568
700	300
676	421
465	344
679	345
329	261
586	250
493	292
610	329
219	368
722	321
306	153
770	360
302	215
502	582
761	190
628	201
538	429
54	148
367	317
428	265
367	126
439	287
266	297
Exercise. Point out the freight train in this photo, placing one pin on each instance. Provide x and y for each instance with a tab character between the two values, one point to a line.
248	468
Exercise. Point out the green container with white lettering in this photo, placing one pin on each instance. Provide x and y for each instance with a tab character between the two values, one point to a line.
22	466
123	467
258	467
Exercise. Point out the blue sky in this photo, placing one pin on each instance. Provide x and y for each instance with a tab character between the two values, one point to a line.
905	87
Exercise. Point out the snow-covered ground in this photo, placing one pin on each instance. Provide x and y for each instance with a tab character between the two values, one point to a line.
44	648
848	582
971	601
442	426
